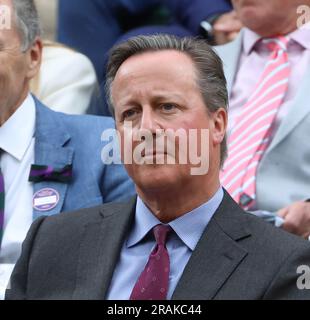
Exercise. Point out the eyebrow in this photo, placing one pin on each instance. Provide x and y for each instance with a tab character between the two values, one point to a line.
157	98
171	97
168	96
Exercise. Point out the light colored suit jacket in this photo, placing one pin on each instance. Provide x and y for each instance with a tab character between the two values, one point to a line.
283	174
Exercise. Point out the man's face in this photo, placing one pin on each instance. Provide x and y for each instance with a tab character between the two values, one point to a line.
269	17
157	91
16	67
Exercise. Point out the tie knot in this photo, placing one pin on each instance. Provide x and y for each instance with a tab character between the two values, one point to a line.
160	233
277	43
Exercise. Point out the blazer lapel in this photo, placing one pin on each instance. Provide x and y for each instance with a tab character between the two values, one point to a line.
216	256
230	54
50	149
100	251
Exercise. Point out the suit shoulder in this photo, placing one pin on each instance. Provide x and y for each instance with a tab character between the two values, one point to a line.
273	238
86	128
74	122
74	219
255	234
86	121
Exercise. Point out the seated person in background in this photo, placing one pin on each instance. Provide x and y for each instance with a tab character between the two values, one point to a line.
183	237
66	80
192	18
268	72
49	161
101	22
213	19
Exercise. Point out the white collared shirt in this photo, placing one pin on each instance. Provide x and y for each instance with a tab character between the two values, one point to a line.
17	143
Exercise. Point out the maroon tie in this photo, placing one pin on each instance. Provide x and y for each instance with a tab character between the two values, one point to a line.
153	282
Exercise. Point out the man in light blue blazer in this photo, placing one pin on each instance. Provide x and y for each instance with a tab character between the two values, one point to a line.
49	162
283	173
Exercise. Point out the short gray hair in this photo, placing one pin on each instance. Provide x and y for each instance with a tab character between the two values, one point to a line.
211	78
27	22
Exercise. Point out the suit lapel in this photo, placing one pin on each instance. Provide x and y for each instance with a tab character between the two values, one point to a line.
50	149
216	256
100	251
230	54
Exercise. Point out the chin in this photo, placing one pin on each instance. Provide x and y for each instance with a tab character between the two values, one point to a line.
250	15
155	177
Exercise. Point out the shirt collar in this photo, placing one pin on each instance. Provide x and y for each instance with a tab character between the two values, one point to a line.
301	36
250	39
189	227
17	132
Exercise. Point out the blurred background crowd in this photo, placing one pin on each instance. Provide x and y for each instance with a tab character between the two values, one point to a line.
93	27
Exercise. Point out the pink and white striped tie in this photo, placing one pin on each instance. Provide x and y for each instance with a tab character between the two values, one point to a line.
250	136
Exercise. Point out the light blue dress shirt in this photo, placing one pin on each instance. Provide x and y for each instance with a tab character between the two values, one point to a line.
140	242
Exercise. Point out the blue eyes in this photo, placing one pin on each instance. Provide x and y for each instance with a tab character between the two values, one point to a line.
168	107
129	113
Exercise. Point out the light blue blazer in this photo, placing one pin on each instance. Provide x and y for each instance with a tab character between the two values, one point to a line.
69	139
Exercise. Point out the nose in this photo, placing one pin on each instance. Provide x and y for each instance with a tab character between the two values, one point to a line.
149	121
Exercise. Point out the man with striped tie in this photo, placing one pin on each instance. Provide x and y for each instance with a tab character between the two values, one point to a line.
268	74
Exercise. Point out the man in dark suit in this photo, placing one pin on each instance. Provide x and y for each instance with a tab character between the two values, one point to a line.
183	237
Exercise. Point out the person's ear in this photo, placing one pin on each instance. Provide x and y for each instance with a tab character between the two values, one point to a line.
220	120
34	54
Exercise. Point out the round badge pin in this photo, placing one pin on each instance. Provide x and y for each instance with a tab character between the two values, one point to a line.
45	199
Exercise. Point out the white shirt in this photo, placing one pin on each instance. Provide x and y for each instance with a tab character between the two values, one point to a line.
17	143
